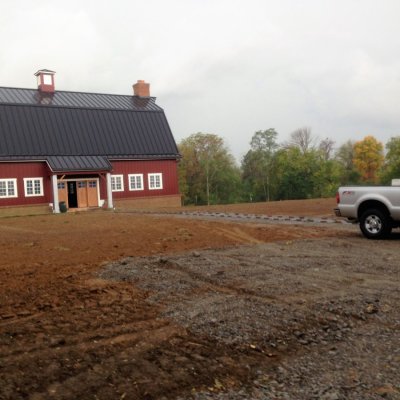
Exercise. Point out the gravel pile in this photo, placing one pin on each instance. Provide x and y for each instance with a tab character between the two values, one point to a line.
327	311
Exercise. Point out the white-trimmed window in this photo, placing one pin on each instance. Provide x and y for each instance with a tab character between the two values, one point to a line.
33	187
8	188
155	181
117	183
135	181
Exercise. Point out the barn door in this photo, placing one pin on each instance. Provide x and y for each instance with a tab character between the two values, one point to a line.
82	194
92	195
62	192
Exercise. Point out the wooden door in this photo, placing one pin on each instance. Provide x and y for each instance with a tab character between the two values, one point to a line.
92	195
62	192
82	194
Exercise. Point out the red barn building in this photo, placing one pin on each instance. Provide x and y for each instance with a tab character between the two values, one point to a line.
79	150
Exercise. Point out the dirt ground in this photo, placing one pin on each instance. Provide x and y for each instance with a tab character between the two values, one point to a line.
108	305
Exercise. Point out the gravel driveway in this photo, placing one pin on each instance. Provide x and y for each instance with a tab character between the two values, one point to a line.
322	313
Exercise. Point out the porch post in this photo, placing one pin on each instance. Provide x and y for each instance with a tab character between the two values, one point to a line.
56	206
109	191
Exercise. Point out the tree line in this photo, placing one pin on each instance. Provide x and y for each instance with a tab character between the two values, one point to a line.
302	167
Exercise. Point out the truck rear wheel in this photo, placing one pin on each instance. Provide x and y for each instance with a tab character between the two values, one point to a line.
375	224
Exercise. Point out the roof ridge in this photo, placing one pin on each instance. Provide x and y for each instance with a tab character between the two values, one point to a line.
82	100
76	92
159	110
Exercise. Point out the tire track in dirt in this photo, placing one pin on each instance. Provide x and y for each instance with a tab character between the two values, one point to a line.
144	358
237	235
110	335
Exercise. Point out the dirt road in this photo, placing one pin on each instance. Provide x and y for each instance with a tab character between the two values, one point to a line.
112	306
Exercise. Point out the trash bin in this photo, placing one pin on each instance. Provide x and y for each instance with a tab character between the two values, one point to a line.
63	206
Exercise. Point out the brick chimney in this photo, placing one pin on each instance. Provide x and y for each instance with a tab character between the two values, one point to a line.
141	89
45	80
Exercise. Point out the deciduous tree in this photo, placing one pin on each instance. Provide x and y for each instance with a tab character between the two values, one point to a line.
293	172
391	169
345	157
303	139
208	170
257	163
299	175
326	148
368	158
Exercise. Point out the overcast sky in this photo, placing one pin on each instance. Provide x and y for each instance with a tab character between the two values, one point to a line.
229	67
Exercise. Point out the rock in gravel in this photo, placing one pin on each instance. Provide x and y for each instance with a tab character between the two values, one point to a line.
371	309
330	396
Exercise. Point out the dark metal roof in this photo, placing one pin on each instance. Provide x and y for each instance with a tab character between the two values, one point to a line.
77	99
78	163
104	125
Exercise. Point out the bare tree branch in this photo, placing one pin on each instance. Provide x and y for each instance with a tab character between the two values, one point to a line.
326	148
302	138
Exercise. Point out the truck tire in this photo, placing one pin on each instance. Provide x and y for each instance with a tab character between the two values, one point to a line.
375	224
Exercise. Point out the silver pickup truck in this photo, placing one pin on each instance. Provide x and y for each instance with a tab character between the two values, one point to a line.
375	208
